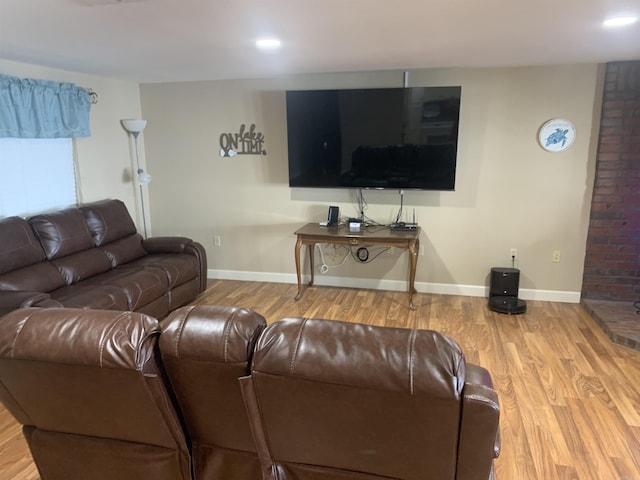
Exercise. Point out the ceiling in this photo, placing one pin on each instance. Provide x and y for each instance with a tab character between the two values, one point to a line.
182	40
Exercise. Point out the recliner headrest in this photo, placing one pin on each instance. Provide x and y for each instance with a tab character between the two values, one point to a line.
101	338
362	356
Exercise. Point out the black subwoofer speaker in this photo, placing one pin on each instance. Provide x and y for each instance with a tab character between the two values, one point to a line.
503	291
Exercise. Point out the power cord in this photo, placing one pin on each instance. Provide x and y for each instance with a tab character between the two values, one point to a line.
362	203
636	305
368	222
367	258
358	255
399	215
324	268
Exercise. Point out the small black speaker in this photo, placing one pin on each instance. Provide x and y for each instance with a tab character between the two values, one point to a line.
332	217
503	291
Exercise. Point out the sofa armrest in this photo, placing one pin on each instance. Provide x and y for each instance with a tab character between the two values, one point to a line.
13	299
479	428
180	245
166	244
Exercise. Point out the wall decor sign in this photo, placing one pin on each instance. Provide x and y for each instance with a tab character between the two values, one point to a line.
245	142
556	135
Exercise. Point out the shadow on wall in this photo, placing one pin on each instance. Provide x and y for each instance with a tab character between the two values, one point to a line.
272	104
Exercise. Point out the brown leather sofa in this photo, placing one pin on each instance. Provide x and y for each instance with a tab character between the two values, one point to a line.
92	257
344	401
324	399
90	391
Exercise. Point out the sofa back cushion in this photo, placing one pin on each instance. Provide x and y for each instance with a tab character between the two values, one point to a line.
205	350
110	354
90	384
81	265
62	233
336	398
108	221
19	247
124	250
113	231
68	244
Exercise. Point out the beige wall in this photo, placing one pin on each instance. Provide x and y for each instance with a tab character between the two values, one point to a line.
104	160
509	192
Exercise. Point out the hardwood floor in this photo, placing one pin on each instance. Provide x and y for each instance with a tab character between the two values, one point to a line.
570	398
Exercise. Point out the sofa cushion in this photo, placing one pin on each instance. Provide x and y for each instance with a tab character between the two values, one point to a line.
124	250
81	265
108	220
20	247
141	285
62	233
180	268
40	277
100	297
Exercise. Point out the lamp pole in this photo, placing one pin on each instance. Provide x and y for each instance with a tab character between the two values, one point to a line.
134	127
139	172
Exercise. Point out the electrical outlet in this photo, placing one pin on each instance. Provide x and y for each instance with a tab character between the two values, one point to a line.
513	254
390	251
421	250
556	256
217	240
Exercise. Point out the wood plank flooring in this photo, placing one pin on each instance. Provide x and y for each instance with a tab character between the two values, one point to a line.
570	398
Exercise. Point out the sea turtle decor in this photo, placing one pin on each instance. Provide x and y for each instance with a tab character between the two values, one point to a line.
556	135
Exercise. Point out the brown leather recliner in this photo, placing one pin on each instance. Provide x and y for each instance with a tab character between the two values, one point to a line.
335	400
88	387
205	350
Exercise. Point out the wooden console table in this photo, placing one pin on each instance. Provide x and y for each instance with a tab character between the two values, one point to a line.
313	233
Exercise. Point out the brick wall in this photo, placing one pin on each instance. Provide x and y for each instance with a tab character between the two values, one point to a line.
612	262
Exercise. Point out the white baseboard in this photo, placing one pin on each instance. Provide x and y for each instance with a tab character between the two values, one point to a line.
394	285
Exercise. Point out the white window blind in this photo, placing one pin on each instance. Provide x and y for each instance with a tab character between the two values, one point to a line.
36	174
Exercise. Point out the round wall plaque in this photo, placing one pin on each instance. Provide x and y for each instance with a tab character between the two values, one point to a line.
556	135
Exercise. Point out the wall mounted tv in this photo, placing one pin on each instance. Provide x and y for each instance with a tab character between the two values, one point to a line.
397	138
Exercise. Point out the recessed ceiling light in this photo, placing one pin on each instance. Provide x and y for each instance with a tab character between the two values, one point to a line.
268	43
620	21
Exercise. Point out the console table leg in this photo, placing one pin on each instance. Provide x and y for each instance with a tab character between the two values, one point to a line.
414	248
312	247
297	256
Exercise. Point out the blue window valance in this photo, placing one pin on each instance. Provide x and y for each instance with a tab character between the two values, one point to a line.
42	109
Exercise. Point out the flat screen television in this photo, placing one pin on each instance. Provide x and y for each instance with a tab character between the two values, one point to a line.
397	138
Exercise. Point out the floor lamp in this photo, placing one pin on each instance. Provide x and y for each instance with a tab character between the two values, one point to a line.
134	127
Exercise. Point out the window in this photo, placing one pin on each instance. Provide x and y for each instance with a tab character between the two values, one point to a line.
36	174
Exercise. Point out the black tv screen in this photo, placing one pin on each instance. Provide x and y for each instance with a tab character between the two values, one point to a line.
398	138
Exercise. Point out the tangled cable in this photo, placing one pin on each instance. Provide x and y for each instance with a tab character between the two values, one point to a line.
324	268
